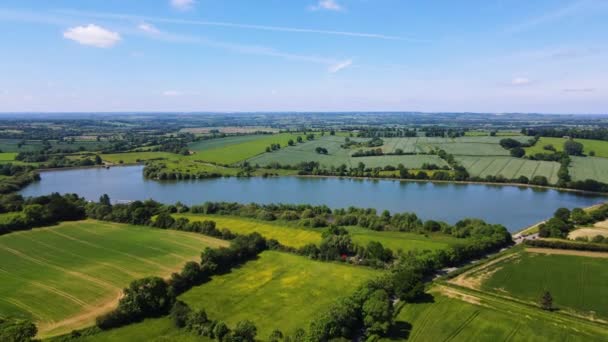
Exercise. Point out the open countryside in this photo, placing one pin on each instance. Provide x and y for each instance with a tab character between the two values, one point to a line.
303	171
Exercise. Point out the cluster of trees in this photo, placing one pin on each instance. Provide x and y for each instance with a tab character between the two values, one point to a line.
385	132
321	150
368	153
273	147
40	211
17	330
564	221
460	173
515	147
198	323
159	171
565	244
580	133
368	313
154	297
17	177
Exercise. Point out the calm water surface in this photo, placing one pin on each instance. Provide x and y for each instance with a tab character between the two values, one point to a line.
514	207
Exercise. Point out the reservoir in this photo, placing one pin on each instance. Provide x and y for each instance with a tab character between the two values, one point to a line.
512	206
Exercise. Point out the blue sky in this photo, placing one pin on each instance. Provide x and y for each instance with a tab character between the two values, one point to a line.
304	55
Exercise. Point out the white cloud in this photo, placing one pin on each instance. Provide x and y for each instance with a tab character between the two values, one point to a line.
520	81
92	35
183	5
172	93
148	28
339	66
327	5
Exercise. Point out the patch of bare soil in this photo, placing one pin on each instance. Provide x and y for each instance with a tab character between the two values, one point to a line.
475	277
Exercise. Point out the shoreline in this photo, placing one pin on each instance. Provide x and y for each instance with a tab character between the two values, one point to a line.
519	185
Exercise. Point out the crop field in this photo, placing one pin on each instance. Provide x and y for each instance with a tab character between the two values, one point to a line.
64	276
575	282
136	157
583	168
277	291
233	151
510	167
337	156
452	314
289	236
404	241
7	157
600	147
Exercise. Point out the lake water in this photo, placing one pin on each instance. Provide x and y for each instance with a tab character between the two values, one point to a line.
514	207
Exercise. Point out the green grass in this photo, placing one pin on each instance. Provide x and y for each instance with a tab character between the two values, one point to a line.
403	240
236	151
277	291
75	269
136	157
150	330
575	282
484	318
600	147
510	167
7	157
582	168
285	234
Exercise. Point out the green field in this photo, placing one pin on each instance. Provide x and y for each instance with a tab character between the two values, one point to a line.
63	276
150	330
510	167
598	146
7	157
582	168
454	315
136	157
286	235
337	156
402	240
575	282
277	291
234	150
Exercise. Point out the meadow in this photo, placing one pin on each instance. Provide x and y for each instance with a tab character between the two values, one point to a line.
403	240
277	291
63	276
600	147
582	168
575	282
510	167
237	149
286	235
451	314
289	234
137	157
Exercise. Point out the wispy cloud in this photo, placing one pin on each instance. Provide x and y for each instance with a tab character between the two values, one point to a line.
92	35
148	28
182	5
573	8
129	17
172	93
520	81
327	5
334	68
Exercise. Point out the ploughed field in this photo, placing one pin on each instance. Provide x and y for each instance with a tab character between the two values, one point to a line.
277	291
63	276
